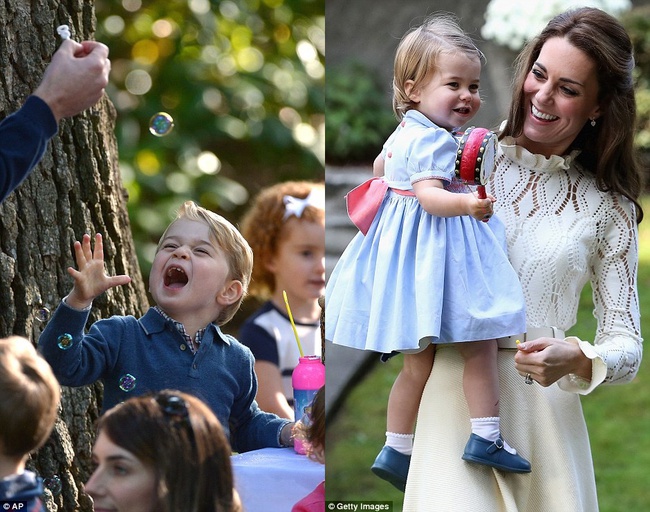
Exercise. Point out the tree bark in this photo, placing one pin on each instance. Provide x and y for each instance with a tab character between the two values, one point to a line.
76	189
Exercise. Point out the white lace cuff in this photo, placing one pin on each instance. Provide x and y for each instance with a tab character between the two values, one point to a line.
576	384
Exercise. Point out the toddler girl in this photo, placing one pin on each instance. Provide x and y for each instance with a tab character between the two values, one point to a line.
428	272
285	227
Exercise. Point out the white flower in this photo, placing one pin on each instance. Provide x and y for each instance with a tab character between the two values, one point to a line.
512	22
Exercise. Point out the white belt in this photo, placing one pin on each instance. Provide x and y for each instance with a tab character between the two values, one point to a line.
532	334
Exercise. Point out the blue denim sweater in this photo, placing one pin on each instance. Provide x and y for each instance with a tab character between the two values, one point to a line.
22	492
135	356
23	138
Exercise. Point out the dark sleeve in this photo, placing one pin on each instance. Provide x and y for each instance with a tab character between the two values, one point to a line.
23	138
77	359
263	346
250	427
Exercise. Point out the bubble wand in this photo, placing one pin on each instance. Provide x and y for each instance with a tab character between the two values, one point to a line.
64	31
293	325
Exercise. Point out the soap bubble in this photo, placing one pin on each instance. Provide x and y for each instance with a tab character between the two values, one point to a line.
64	341
53	483
127	382
41	314
161	124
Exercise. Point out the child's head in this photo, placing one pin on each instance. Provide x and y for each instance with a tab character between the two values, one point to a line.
275	215
424	53
314	433
225	248
29	398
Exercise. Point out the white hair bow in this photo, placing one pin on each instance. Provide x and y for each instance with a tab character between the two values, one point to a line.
295	206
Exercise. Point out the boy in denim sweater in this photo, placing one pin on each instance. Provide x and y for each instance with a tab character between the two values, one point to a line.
199	277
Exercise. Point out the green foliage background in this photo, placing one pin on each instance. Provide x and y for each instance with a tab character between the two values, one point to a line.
358	116
637	23
243	81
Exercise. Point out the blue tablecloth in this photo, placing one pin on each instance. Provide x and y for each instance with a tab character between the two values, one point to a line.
274	479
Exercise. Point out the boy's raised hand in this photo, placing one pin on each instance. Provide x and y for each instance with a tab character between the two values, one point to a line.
90	280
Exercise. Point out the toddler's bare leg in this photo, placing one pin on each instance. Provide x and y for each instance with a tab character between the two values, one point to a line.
481	378
404	398
392	463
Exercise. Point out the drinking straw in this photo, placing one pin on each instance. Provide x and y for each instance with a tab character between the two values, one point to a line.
293	325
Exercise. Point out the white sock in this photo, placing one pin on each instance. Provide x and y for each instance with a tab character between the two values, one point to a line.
490	429
403	443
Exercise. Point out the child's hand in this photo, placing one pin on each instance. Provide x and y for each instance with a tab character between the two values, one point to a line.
480	209
90	280
286	434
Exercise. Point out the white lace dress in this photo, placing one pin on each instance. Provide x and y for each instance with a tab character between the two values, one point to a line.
562	232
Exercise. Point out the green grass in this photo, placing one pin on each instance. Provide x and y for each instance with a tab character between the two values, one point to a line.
617	417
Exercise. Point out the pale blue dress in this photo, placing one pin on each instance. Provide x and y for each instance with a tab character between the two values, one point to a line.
414	278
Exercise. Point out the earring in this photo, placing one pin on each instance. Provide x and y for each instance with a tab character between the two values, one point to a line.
593	123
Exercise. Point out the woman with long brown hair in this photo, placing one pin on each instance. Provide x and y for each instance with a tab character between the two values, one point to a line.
568	187
163	452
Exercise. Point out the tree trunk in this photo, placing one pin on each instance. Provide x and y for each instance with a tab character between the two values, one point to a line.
76	189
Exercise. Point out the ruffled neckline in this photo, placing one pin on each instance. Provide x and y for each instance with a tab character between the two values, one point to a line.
536	162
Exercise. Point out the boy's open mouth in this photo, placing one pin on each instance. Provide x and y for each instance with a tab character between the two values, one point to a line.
175	277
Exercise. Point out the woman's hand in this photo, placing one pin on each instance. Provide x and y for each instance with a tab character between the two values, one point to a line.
90	280
547	360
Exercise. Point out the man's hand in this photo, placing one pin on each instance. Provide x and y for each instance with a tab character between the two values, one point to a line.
76	78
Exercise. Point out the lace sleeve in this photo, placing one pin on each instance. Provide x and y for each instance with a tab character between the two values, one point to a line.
613	267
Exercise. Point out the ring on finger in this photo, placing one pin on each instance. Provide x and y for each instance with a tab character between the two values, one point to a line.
528	379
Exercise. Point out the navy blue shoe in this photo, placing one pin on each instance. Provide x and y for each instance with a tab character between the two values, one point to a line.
392	466
488	453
